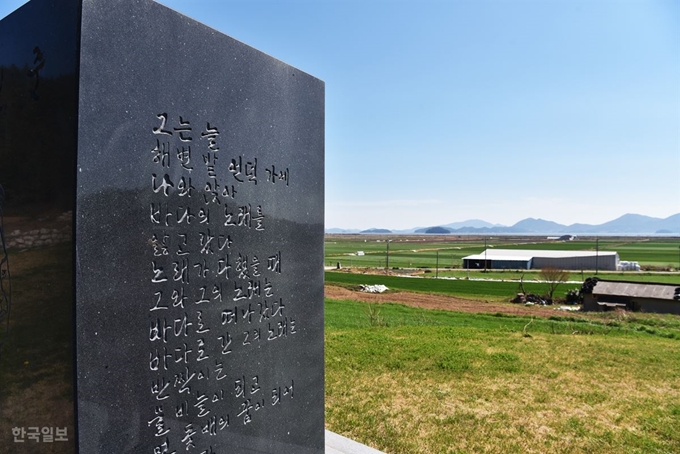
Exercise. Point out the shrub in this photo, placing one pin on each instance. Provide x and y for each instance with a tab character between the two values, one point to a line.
573	296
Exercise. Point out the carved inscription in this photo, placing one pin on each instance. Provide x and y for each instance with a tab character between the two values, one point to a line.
213	273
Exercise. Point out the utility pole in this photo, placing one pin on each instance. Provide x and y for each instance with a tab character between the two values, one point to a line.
387	256
436	273
597	254
485	255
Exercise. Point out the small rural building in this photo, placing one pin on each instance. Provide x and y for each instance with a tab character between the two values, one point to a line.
633	296
498	259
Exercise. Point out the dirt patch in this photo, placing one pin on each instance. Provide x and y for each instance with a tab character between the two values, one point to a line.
441	302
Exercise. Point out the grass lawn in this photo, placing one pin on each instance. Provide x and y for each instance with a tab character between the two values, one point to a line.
407	380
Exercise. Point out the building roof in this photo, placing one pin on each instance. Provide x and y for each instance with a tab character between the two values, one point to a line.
518	258
636	289
528	254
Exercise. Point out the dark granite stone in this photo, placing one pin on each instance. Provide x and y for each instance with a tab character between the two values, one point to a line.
193	166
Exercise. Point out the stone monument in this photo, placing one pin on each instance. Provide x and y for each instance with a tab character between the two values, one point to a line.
191	169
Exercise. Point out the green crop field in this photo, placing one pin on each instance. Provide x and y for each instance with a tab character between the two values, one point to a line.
534	275
652	252
491	290
485	290
407	380
426	252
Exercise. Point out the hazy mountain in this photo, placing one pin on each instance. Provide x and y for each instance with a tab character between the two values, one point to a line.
670	224
628	224
335	230
407	231
438	230
376	231
476	223
538	226
455	226
498	229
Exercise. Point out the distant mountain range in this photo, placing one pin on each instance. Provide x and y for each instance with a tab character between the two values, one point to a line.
628	224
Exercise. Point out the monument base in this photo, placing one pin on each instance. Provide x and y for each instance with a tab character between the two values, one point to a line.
337	444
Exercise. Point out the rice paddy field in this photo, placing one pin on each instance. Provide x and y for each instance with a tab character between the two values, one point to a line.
471	289
446	252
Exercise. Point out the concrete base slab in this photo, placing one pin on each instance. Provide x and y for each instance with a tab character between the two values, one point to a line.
337	444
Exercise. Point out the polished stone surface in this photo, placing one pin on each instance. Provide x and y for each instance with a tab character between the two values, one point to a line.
198	237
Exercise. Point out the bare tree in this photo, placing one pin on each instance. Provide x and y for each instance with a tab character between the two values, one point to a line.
553	277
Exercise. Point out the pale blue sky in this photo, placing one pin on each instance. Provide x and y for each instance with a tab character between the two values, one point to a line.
441	111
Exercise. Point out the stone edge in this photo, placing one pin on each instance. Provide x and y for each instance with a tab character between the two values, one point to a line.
337	444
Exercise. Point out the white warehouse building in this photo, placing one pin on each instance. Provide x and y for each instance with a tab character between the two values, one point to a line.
498	259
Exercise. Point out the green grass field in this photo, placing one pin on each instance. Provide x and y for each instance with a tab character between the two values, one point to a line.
532	275
407	380
493	291
483	289
422	252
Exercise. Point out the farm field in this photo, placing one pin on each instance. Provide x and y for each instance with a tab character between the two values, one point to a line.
478	287
534	275
409	380
418	251
484	290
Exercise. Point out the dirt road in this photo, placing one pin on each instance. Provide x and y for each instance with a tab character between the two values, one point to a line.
441	302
